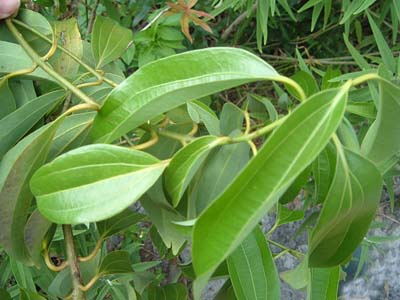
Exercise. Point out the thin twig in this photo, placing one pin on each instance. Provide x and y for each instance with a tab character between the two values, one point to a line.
77	282
92	18
237	21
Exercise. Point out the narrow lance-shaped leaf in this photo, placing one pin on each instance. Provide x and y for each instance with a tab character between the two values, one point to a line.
298	277
109	40
185	77
348	210
185	164
217	172
384	49
175	291
382	143
324	171
285	215
72	133
163	216
16	169
199	112
119	222
116	262
17	124
36	230
323	283
93	183
252	269
7	100
289	150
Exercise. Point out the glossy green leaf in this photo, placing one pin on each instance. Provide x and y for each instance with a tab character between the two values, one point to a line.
348	136
294	190
348	210
36	229
218	171
17	124
288	151
118	223
232	118
109	40
184	165
285	215
116	262
185	77
323	283
272	113
13	58
381	144
29	295
298	277
199	112
22	275
384	49
162	216
356	7
323	171
226	292
23	91
360	60
16	169
363	109
71	134
326	79
36	21
252	269
307	83
175	291
4	295
262	13
7	100
309	4
93	183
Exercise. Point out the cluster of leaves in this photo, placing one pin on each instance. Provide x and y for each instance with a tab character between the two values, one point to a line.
204	177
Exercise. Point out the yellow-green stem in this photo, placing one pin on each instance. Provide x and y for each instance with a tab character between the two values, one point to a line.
259	132
364	78
70	54
294	85
39	61
93	253
295	253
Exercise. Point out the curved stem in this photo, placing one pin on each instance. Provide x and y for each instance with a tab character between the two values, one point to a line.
89	285
77	293
248	122
295	253
364	78
153	140
183	138
70	54
259	132
18	73
253	148
93	253
194	130
50	264
294	85
39	61
79	107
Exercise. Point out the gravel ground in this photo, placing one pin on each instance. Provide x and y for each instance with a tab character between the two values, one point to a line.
379	279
